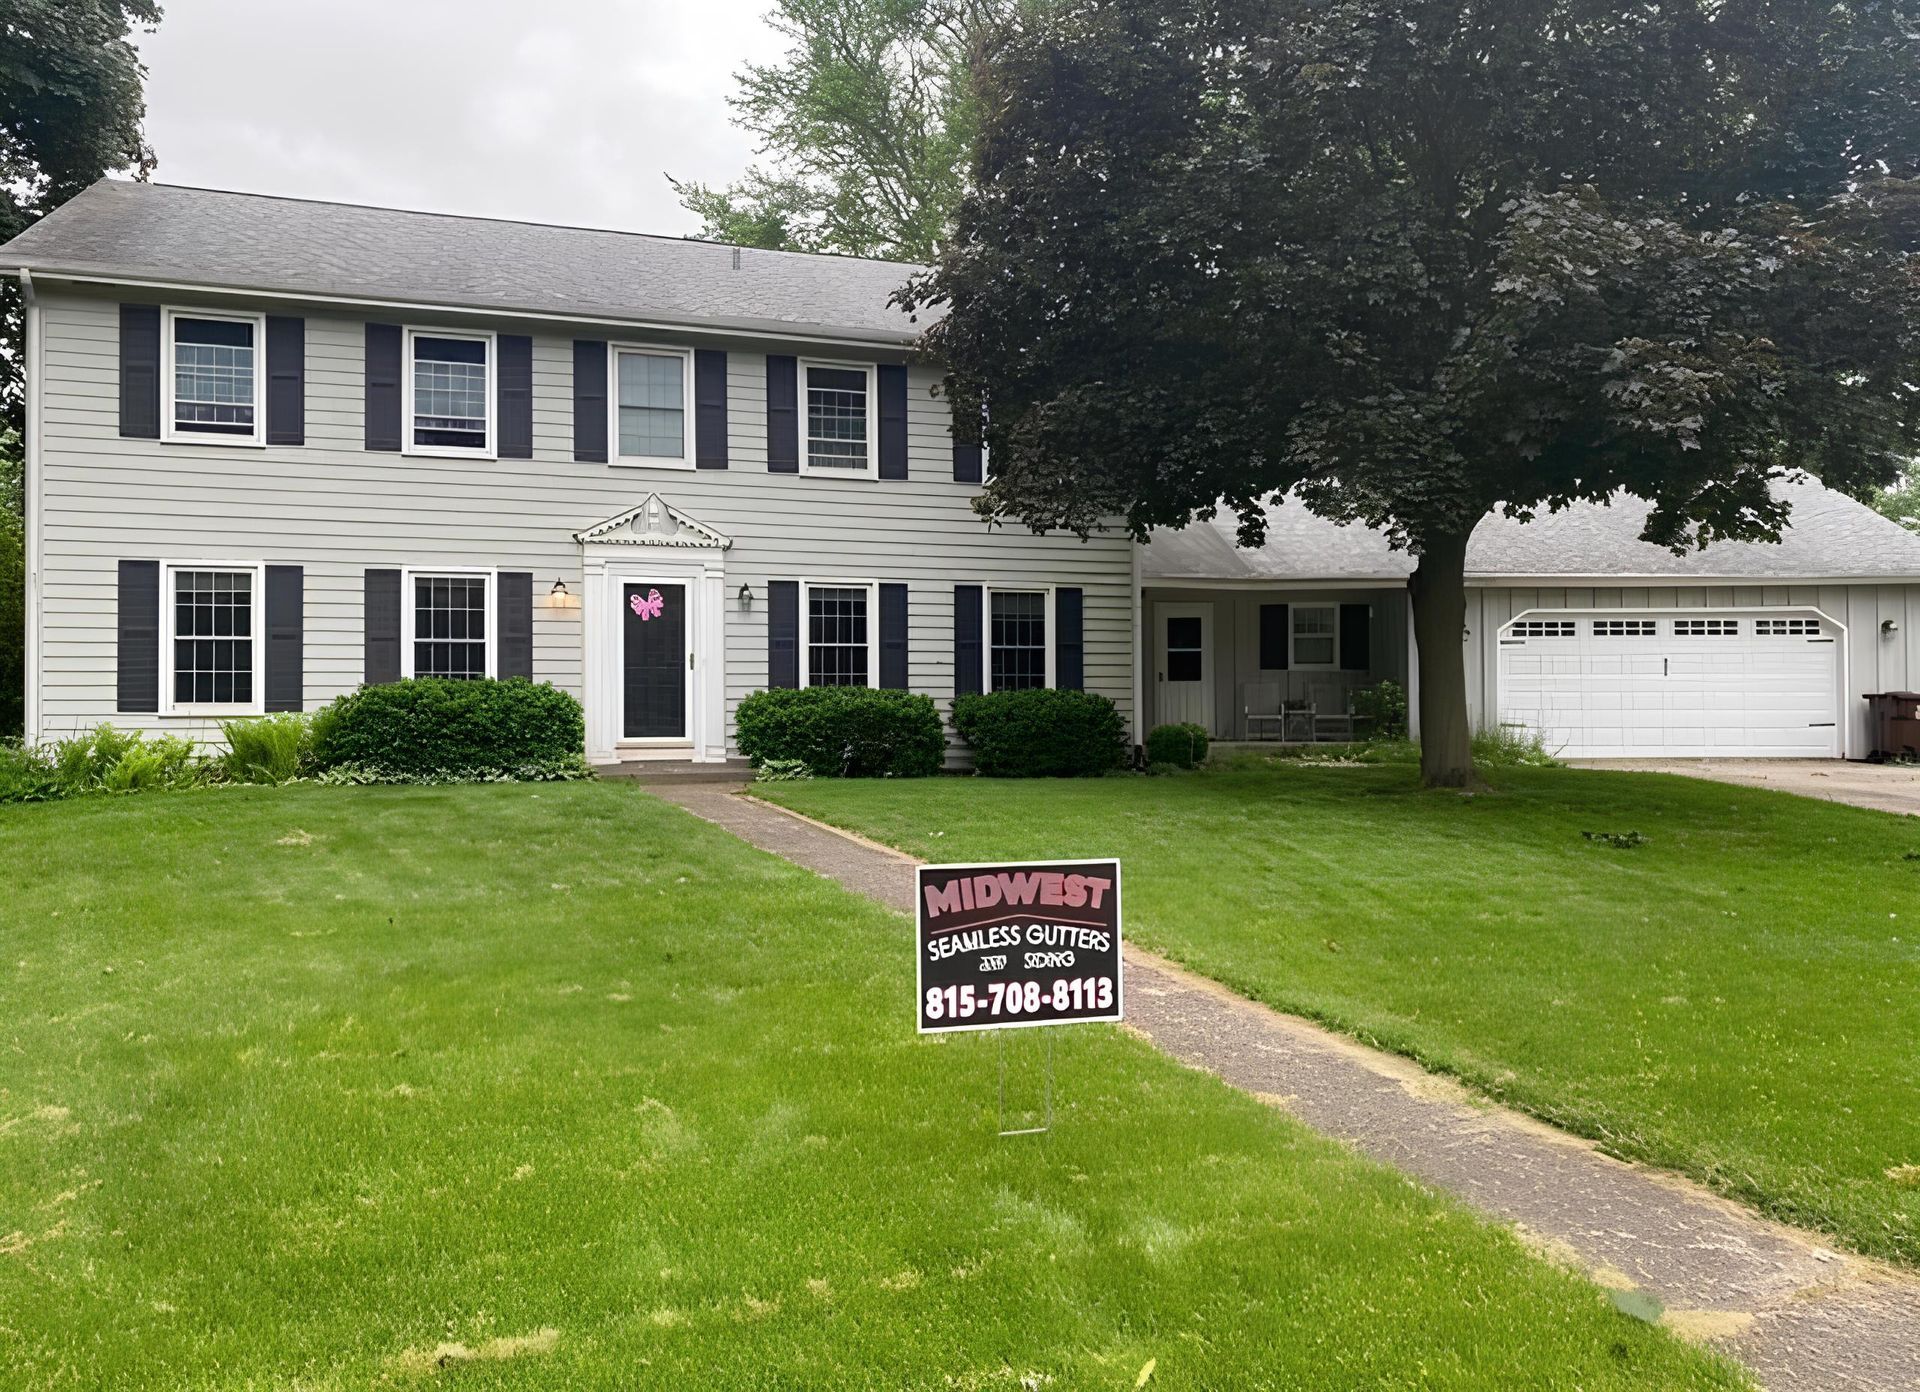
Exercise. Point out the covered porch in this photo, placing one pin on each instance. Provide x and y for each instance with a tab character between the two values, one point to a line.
1269	661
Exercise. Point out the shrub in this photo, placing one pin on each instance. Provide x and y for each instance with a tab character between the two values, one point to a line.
1042	733
104	760
843	731
432	724
166	761
1177	746
1384	706
267	749
26	775
81	763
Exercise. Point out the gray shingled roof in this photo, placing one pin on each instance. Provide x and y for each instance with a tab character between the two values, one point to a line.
123	230
1831	536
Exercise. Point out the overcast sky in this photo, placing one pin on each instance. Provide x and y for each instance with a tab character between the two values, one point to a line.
565	111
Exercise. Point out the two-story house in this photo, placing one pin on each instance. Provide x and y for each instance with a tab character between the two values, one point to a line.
276	449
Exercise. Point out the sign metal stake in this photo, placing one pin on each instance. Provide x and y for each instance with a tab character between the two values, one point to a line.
1047	1123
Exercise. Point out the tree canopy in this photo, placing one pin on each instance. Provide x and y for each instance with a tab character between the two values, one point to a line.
866	124
1409	264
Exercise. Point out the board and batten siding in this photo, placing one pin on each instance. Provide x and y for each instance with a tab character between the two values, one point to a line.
337	509
1876	661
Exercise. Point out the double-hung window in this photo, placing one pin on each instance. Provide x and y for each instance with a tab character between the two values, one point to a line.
211	615
448	622
449	390
652	406
1315	635
1017	640
215	380
840	634
841	422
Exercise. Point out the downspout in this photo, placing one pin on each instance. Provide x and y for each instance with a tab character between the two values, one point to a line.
30	488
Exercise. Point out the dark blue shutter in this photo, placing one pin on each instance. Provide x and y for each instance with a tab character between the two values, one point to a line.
893	637
1356	637
285	656
1069	646
138	652
515	623
590	400
709	408
383	386
967	667
783	414
1273	637
893	421
382	626
513	382
140	373
783	633
966	462
286	381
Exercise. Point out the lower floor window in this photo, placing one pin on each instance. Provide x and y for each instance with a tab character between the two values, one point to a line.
837	636
1313	635
1017	639
213	637
450	626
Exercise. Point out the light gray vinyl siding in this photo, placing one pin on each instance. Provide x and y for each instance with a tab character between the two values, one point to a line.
337	509
1876	661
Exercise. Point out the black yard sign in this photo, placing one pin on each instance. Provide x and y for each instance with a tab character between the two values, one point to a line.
1031	943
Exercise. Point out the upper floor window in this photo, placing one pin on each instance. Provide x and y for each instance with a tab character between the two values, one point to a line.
839	635
450	386
1314	633
1016	639
651	405
840	418
211	630
448	625
214	384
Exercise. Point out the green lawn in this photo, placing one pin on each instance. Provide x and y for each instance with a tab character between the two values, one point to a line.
1739	998
302	1085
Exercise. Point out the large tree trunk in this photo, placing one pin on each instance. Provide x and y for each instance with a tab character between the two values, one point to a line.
1439	590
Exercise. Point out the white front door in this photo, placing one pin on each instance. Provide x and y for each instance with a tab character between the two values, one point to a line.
1183	664
1652	684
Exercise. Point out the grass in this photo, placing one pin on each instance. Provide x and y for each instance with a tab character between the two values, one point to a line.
554	1086
1735	999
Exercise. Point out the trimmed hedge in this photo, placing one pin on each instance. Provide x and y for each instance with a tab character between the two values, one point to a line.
1043	733
843	731
1181	745
430	724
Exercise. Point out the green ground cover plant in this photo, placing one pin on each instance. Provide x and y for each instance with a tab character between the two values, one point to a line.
1732	994
554	1086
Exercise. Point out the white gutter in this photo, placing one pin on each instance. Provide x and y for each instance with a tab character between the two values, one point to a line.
30	367
900	343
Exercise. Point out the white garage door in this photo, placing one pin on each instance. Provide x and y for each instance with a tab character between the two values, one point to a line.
1682	685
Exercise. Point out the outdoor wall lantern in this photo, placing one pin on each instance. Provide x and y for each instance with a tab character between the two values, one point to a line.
1888	628
746	597
559	597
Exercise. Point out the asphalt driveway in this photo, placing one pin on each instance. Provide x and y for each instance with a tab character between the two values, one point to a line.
1882	787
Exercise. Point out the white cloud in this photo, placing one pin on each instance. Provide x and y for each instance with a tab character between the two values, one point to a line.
568	111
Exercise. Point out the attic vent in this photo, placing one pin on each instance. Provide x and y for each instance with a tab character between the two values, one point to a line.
736	258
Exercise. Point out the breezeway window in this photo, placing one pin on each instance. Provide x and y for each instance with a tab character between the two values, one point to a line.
1314	635
450	626
213	638
215	382
840	420
1017	639
839	635
450	383
652	407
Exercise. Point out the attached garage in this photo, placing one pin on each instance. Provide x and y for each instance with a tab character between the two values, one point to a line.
1601	684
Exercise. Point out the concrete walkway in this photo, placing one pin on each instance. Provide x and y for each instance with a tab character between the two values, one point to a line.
1881	787
1804	1318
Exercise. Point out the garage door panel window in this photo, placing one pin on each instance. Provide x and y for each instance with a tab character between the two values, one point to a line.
1543	628
1787	628
1625	628
1706	628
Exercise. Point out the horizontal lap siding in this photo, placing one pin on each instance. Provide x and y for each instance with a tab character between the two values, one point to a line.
336	509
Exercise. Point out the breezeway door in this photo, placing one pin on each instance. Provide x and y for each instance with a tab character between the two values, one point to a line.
1653	684
1183	688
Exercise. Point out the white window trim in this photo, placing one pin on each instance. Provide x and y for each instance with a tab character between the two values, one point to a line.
986	629
873	420
1293	658
492	620
169	433
407	412
687	443
169	634
807	587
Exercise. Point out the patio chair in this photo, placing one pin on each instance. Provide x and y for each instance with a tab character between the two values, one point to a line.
1333	710
1261	712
